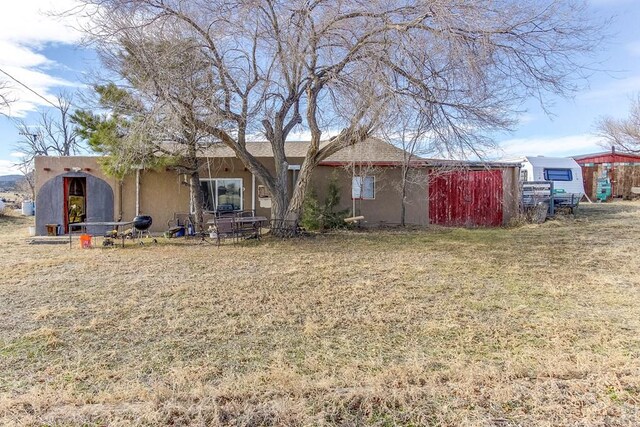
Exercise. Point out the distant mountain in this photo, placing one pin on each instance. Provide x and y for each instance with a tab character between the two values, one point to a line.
10	178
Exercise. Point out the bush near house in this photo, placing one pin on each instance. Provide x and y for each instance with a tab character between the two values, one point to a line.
324	216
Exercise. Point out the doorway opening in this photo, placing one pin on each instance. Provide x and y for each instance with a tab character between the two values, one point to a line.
75	202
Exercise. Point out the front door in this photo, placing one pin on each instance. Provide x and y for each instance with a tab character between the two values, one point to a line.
75	201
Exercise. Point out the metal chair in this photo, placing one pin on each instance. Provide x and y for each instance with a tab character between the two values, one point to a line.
224	228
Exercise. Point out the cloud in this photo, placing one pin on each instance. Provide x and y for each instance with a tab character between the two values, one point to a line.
30	22
570	145
26	27
619	87
8	168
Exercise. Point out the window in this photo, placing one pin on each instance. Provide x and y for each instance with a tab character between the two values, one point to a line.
222	192
558	175
524	175
363	187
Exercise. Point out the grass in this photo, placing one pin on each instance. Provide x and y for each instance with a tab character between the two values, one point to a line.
536	325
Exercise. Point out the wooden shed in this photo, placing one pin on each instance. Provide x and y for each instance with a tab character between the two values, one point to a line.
482	194
622	170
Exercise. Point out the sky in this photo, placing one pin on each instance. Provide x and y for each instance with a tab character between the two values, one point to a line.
43	51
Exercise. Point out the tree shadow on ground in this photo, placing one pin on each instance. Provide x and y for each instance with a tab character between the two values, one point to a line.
606	211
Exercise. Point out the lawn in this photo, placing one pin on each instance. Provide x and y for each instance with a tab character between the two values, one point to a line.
537	325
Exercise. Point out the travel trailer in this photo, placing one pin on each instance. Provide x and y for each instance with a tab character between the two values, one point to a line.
565	173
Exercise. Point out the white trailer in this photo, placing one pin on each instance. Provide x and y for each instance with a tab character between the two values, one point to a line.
564	173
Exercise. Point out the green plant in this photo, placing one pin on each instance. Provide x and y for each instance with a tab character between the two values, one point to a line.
311	212
324	216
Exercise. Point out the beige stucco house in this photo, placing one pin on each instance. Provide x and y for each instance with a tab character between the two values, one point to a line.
368	175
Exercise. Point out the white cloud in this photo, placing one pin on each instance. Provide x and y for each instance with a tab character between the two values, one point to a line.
619	87
8	168
30	22
26	26
570	145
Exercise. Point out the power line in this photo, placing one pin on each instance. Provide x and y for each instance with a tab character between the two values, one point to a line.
27	87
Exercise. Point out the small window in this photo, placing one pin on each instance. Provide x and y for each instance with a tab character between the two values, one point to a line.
363	187
524	175
558	175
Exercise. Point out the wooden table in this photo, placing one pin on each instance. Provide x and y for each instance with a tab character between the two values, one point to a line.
113	224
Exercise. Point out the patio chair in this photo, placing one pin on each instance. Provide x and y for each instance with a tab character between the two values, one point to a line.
224	228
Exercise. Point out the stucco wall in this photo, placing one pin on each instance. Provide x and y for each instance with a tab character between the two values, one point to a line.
385	208
164	192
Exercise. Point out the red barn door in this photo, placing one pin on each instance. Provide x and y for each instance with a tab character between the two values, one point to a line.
466	198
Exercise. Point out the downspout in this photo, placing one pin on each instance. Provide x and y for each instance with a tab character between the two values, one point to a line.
120	209
137	191
353	200
253	193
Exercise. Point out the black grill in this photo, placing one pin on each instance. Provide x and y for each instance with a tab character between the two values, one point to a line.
142	222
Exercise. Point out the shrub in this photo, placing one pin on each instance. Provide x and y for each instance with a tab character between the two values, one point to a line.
323	216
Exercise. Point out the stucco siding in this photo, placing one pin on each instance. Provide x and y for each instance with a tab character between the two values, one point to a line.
385	208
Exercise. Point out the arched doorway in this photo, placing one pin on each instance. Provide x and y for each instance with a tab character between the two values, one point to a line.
75	201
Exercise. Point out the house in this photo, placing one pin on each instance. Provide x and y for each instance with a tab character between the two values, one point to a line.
70	189
609	174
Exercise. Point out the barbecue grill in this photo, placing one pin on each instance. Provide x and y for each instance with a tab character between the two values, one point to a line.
141	225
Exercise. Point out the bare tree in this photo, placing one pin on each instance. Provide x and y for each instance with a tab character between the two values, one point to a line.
623	134
5	98
53	135
411	132
269	66
28	182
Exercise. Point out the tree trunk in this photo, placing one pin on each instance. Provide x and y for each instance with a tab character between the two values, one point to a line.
197	200
286	211
403	209
403	203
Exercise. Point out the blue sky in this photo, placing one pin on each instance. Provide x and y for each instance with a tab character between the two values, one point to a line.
43	52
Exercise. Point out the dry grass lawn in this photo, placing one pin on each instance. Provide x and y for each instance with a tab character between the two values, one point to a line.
531	326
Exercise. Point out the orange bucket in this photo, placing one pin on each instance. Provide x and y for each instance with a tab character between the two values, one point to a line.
85	241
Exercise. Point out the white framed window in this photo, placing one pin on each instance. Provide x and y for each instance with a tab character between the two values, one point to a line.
363	187
222	191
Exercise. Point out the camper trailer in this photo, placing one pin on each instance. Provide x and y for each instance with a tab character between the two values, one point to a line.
564	173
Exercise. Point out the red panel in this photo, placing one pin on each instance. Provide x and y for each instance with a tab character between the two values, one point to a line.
466	198
610	158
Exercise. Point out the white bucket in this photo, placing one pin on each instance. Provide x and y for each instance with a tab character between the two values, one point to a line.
28	208
32	231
